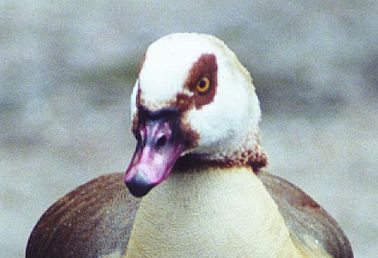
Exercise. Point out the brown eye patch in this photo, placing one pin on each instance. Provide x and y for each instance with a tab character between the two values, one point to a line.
202	80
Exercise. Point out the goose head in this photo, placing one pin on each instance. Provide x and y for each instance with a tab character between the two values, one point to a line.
192	98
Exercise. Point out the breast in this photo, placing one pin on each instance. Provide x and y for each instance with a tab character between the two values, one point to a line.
216	212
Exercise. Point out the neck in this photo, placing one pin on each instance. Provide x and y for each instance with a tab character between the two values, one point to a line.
248	153
213	212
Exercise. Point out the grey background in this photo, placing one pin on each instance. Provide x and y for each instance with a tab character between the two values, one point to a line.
67	67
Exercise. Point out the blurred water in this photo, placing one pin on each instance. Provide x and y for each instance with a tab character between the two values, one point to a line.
66	70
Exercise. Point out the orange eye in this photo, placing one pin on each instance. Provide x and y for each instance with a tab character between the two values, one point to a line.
203	85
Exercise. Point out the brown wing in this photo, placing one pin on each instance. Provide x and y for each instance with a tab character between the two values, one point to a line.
93	220
305	217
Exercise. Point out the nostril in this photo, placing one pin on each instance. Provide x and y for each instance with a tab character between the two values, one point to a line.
161	141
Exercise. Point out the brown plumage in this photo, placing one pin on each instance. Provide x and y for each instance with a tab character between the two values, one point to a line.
94	219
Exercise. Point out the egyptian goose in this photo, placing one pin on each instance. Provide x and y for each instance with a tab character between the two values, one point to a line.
197	165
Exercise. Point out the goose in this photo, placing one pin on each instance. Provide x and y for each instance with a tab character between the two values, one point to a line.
200	169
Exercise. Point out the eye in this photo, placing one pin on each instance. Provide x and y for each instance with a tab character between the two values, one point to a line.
203	85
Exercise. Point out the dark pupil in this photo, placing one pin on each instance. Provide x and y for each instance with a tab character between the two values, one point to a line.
202	84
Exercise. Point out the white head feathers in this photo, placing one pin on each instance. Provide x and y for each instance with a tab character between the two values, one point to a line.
227	124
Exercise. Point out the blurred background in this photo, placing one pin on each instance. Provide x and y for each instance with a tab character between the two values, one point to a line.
67	68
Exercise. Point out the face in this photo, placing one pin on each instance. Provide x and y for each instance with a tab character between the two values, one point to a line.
192	96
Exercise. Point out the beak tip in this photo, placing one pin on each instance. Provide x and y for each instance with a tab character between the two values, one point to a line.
138	185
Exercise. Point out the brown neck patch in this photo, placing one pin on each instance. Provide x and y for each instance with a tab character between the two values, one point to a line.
254	157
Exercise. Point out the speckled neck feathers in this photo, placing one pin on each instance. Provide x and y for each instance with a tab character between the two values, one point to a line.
249	154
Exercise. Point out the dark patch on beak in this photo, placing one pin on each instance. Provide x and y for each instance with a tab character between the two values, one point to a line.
139	185
160	144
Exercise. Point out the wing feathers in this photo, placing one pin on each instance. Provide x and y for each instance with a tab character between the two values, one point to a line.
94	219
305	218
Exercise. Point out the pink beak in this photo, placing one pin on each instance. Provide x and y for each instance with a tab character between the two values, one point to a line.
159	146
